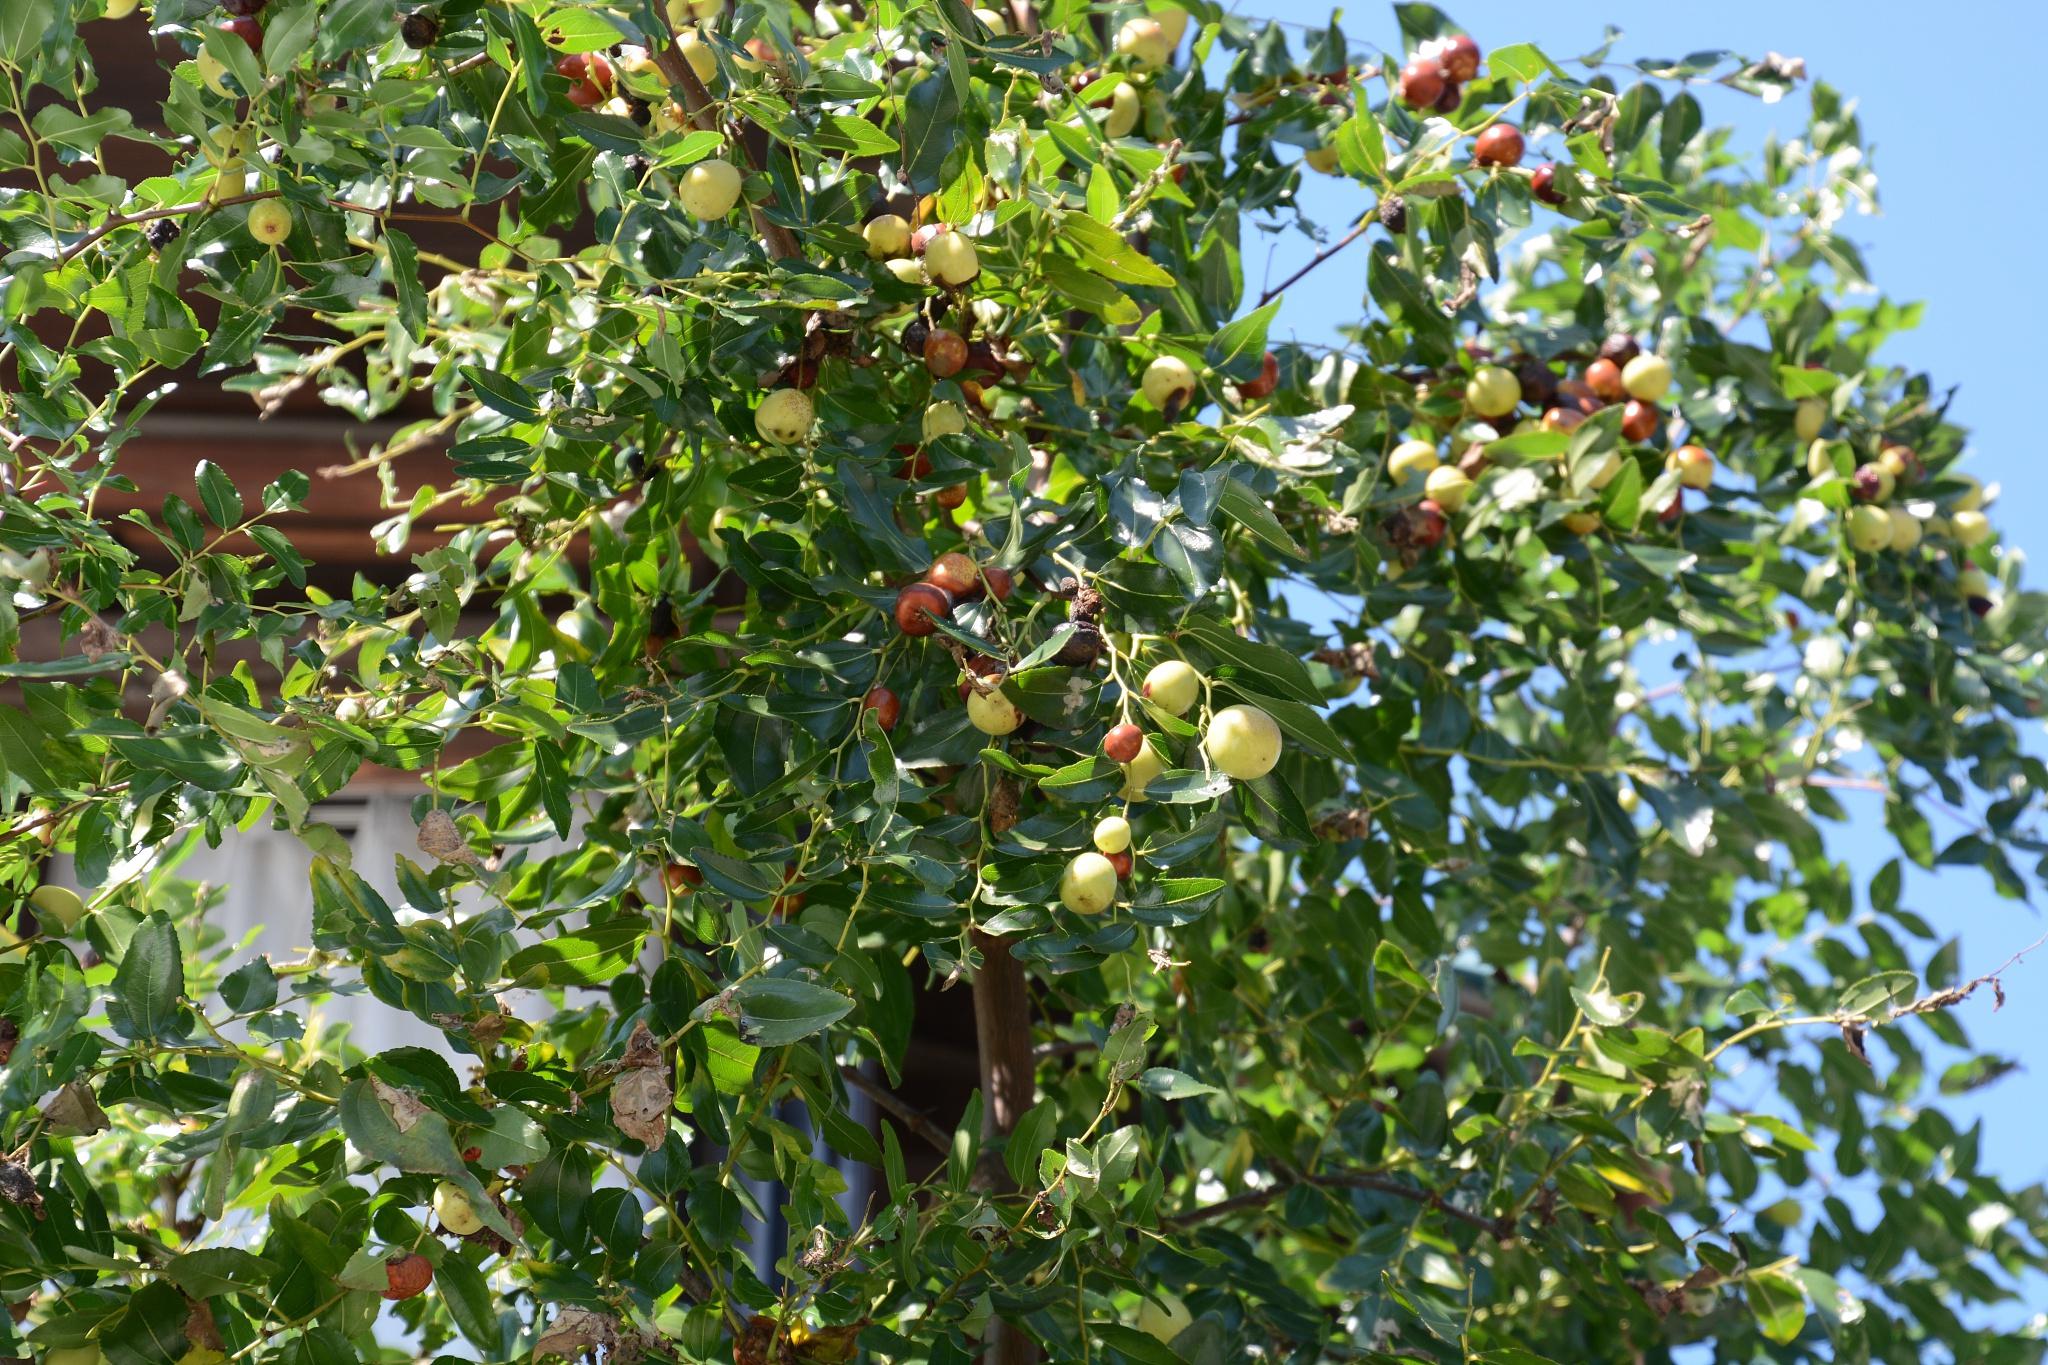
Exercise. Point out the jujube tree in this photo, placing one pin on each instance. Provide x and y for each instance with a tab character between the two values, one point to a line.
1374	792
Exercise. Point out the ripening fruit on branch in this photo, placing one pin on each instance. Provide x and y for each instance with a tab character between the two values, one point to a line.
1695	466
270	221
992	713
1165	1319
1872	483
1974	584
407	1276
1870	528
1172	686
1459	57
1500	145
995	23
1448	487
784	417
1543	184
1243	742
1168	378
1324	159
1808	418
709	189
1603	377
1647	377
1122	742
1581	523
1970	528
916	606
1901	462
1088	886
1412	459
1493	391
943	418
680	878
1121	115
950	258
887	235
1139	772
1269	379
119	9
1144	41
589	76
1421	84
945	352
887	706
1906	529
453	1210
248	28
956	574
1972	496
698	54
1112	834
1639	420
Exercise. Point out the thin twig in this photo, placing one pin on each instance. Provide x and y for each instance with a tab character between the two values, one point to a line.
698	104
1325	254
1501	1228
937	1137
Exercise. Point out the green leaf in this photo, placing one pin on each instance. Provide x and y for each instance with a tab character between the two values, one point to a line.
1167	1084
1779	1305
1249	510
778	1010
390	1126
1875	994
502	393
589	958
1238	350
218	496
149	985
1103	250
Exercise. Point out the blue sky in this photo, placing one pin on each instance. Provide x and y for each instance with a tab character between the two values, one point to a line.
1961	193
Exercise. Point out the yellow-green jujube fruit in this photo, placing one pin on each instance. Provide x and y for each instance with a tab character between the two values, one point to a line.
1647	377
57	907
785	417
454	1211
992	713
270	221
1139	772
1870	528
1122	115
1820	459
1448	487
887	235
906	269
1905	529
943	418
1412	459
1172	686
1144	41
710	189
1970	528
1165	377
1164	1317
698	54
1974	583
1242	741
211	71
1112	834
1808	418
1971	499
1324	159
951	258
994	22
1493	391
1088	886
1172	21
120	9
681	12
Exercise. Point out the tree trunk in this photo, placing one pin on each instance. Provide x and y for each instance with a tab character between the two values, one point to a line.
1002	1029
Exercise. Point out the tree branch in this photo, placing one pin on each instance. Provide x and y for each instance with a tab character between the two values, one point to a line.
1501	1228
1325	254
933	1135
697	103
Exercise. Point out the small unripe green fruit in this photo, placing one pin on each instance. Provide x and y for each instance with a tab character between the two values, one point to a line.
710	189
211	72
1166	377
784	417
943	418
1172	686
1870	528
1627	799
1647	377
1581	523
1972	497
1139	772
1905	529
1112	834
1088	886
995	23
1242	741
1808	418
887	235
1970	528
1493	391
1448	488
1144	42
1609	470
120	9
906	270
270	222
992	713
1173	22
1820	459
57	907
1974	583
1122	115
1412	459
1165	1319
1325	159
453	1210
951	259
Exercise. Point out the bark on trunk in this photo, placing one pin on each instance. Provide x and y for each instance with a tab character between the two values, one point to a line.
1002	1028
